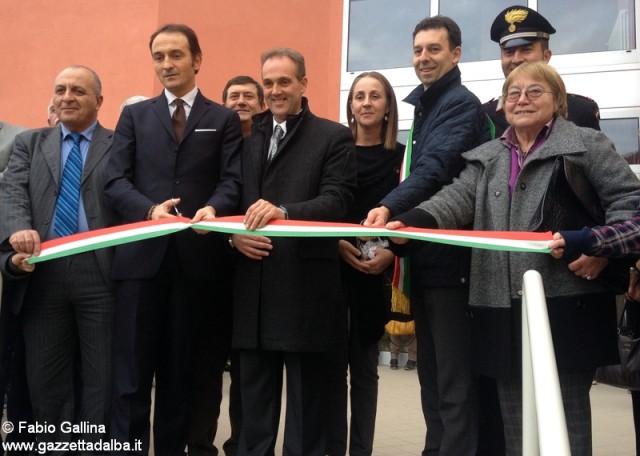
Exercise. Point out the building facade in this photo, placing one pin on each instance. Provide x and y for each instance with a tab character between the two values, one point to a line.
595	49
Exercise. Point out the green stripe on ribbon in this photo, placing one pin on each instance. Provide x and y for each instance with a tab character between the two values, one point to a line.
109	237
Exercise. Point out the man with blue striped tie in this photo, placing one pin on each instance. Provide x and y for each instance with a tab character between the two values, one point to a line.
53	188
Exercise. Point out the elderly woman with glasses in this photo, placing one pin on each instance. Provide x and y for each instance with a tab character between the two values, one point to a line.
505	186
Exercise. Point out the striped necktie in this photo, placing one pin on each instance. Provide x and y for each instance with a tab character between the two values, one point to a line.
278	134
66	221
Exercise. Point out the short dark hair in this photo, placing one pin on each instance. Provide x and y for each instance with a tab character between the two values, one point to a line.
241	80
455	35
298	59
192	38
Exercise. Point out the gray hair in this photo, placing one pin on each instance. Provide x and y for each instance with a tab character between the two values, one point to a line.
132	100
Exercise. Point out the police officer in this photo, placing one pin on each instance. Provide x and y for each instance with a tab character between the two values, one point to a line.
523	35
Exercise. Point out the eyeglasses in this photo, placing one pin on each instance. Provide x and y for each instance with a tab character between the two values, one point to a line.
532	93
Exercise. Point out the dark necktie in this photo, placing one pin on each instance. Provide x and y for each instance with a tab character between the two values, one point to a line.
66	221
179	118
278	134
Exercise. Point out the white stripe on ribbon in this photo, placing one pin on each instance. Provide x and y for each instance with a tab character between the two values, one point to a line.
108	237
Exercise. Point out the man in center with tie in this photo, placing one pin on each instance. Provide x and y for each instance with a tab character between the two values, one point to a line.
287	300
176	153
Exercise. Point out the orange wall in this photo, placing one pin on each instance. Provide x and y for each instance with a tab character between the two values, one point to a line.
39	38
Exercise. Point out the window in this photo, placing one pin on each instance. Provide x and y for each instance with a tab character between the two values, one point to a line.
606	25
380	33
403	136
474	19
596	49
625	134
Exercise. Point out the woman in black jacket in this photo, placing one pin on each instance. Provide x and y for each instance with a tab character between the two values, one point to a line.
372	114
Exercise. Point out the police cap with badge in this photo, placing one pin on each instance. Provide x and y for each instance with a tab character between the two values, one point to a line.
518	26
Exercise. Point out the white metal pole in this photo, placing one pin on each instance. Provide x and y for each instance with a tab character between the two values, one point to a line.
551	423
530	445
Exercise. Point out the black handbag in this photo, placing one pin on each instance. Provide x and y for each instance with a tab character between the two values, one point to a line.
627	373
571	203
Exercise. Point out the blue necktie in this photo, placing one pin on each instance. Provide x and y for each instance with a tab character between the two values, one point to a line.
66	221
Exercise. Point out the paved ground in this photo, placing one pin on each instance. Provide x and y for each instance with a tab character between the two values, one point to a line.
400	427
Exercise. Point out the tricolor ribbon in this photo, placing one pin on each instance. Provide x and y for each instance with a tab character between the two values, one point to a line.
514	241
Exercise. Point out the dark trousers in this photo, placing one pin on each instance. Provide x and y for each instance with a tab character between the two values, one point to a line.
152	337
635	400
230	446
13	376
448	392
491	427
69	310
211	325
633	321
362	366
7	323
574	387
261	390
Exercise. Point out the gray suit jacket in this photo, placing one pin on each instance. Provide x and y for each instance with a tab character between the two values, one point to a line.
29	191
7	135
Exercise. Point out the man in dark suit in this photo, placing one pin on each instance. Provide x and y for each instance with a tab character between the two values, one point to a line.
244	95
287	299
176	153
67	305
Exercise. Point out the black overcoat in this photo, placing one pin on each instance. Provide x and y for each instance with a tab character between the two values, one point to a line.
292	299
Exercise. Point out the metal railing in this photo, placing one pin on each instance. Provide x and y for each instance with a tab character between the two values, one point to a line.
544	427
